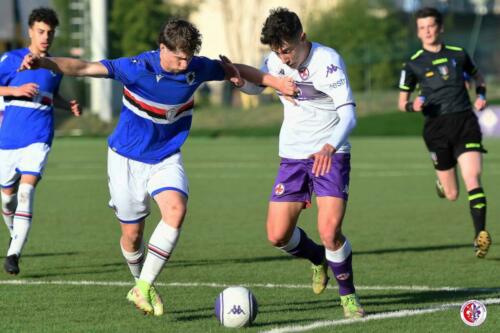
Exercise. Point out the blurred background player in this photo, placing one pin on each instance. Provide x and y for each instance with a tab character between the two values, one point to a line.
27	130
144	157
314	151
451	131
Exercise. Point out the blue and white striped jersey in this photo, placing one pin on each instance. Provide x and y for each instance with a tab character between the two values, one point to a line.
157	105
27	120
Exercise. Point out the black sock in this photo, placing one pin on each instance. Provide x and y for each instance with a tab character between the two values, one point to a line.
477	202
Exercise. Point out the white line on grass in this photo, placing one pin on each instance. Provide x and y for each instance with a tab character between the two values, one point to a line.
377	316
224	285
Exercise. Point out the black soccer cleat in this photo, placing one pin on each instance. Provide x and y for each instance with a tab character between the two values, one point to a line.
11	264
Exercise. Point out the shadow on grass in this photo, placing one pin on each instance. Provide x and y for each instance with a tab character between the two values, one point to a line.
47	254
430	297
229	261
415	249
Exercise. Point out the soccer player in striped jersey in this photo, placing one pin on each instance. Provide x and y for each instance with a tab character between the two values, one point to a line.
314	150
451	131
27	130
144	155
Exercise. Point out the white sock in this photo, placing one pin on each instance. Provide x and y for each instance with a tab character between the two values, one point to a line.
22	218
9	204
135	260
160	247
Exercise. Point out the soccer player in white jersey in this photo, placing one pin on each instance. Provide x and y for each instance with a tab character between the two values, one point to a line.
144	158
314	151
27	130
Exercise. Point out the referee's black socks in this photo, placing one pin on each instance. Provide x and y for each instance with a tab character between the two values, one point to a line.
477	202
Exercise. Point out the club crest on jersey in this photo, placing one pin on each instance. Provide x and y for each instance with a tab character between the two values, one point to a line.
304	73
279	189
190	78
443	70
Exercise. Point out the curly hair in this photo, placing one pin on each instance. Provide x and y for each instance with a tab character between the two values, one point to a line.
180	35
281	26
45	15
430	12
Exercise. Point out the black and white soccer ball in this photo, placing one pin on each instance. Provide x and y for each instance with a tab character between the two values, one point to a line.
236	307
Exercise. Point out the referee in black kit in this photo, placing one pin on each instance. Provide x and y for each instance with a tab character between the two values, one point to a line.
451	130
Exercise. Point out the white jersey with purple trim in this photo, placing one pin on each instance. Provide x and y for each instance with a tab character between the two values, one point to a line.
324	88
157	105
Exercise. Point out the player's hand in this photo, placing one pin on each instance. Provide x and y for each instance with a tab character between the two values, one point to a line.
418	104
322	160
480	104
30	61
232	72
75	108
26	90
289	89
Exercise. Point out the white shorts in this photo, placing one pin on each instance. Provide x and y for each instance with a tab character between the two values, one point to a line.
29	160
133	183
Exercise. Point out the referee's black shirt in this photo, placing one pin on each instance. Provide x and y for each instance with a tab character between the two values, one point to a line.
440	79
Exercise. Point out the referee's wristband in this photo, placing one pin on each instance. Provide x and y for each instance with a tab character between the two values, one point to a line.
481	92
409	106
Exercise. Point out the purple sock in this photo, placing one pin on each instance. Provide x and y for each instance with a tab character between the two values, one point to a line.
308	249
344	276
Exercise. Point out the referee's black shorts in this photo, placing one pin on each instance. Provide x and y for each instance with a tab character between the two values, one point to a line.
448	136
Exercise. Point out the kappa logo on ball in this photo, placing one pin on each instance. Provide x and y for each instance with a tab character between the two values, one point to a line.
279	189
473	313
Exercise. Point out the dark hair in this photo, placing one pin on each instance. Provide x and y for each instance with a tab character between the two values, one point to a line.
45	15
180	35
281	26
430	12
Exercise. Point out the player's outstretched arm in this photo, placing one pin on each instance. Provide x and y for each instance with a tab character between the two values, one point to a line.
72	105
66	66
255	80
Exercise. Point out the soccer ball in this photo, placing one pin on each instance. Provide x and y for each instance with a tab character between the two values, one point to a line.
236	307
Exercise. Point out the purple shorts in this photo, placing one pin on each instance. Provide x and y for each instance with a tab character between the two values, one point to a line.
295	181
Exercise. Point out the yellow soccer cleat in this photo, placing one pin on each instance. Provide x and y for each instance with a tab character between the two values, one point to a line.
156	301
140	296
352	307
482	244
319	277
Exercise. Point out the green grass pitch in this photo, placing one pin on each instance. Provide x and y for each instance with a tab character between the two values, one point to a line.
402	236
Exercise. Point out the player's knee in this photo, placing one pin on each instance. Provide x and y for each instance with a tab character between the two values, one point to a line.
132	239
9	202
174	211
330	236
25	195
277	239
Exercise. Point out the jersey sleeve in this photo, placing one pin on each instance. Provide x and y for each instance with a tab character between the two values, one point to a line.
212	70
334	82
122	69
7	70
407	79
469	65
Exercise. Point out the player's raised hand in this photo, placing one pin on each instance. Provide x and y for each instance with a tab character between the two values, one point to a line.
232	73
26	90
322	160
30	61
75	108
480	104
